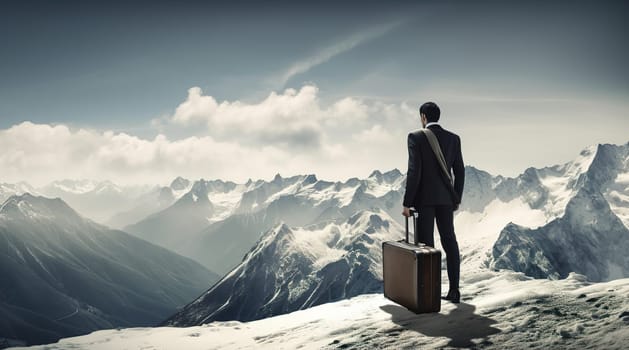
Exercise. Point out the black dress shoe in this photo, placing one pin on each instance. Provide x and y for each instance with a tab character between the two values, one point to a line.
453	295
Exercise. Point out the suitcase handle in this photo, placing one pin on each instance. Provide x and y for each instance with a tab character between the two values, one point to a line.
414	214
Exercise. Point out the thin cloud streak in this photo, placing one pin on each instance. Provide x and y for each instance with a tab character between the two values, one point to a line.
338	48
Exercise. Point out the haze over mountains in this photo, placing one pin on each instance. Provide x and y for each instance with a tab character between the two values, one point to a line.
217	222
103	201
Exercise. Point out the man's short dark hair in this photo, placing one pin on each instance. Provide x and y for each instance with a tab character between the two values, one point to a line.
431	110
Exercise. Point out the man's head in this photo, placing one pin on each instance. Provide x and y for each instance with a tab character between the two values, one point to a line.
429	112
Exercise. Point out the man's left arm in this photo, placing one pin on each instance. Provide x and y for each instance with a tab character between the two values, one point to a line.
413	174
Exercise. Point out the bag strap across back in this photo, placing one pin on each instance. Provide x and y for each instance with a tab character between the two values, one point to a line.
434	144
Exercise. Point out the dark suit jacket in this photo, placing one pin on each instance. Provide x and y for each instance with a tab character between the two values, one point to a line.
424	182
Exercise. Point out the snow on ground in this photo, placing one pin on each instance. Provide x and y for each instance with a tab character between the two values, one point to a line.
499	310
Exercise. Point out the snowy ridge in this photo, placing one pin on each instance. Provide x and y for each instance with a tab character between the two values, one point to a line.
27	208
297	267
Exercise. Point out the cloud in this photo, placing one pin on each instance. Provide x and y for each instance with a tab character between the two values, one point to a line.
336	49
291	119
290	132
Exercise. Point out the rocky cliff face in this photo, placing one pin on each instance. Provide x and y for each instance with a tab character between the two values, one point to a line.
589	237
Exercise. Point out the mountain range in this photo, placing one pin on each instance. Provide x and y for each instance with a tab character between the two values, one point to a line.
64	275
104	201
217	222
284	265
296	268
295	242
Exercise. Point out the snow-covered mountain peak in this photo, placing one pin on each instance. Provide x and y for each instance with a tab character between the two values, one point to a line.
352	181
589	235
588	151
376	174
277	179
278	231
180	184
607	162
310	179
550	188
199	188
392	175
379	184
279	237
598	163
198	196
369	220
30	207
357	240
82	186
7	190
297	267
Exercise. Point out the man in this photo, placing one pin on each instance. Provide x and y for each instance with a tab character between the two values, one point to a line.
428	191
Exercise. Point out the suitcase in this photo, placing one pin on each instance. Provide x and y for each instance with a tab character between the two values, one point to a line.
412	273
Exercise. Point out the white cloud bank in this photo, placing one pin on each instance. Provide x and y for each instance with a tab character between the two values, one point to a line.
293	132
289	132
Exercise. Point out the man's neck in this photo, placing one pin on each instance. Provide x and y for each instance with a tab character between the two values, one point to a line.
431	123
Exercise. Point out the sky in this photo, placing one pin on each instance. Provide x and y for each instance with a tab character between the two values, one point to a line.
142	92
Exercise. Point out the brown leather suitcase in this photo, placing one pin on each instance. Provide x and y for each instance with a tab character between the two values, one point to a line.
412	273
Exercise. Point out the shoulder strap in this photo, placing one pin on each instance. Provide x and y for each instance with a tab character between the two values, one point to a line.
434	144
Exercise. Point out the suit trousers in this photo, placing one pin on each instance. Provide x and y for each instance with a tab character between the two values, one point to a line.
444	215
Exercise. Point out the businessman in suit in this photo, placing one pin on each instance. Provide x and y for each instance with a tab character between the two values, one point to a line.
428	192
